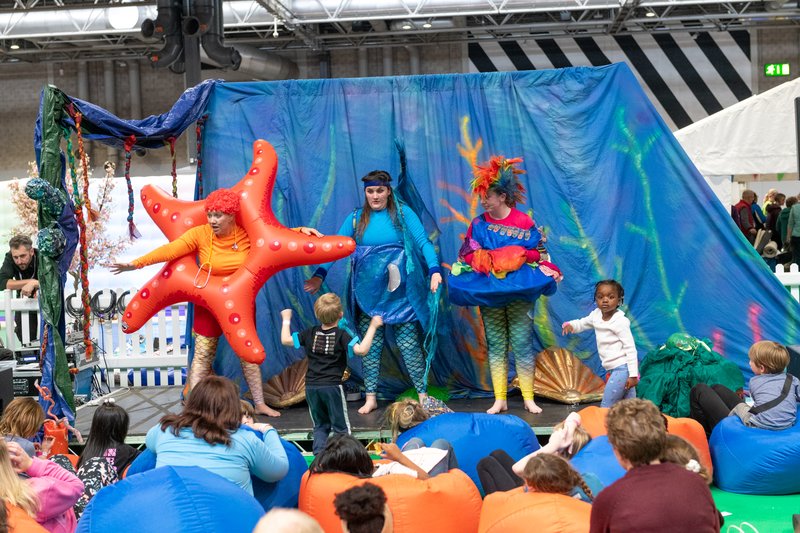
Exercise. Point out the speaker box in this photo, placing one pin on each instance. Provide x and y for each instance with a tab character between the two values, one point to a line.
6	387
794	360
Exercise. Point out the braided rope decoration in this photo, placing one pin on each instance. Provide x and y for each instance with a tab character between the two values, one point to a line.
83	248
199	135
85	168
133	233
171	142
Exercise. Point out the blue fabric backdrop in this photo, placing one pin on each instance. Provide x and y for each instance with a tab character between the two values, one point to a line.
613	189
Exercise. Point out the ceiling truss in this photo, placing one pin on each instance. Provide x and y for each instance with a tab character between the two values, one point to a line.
323	25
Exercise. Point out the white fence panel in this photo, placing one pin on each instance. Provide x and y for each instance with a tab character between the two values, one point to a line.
147	357
790	279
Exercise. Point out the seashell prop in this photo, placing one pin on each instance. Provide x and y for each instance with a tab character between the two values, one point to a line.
561	376
288	387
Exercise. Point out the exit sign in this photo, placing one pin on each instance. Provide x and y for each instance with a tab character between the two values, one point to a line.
776	69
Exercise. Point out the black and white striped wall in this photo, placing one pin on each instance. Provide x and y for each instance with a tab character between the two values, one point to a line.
687	76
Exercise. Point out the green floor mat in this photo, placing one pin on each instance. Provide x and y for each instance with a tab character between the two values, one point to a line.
756	514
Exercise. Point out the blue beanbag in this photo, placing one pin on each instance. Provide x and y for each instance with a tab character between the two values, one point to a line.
755	461
283	493
598	458
175	499
476	435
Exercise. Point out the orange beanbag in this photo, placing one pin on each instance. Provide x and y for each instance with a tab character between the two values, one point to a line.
516	511
447	503
593	420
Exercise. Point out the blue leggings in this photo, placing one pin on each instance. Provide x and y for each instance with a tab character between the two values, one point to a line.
408	342
615	387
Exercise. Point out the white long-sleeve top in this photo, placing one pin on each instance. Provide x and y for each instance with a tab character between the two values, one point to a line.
615	343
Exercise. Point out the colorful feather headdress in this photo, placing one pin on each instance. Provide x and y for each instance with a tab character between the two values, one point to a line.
499	174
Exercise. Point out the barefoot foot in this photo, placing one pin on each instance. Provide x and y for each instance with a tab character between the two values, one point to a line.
369	405
264	409
531	407
498	407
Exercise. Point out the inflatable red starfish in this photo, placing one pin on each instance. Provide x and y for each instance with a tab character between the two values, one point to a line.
231	299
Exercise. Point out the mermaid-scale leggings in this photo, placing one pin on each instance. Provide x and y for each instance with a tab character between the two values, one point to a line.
205	350
407	337
504	326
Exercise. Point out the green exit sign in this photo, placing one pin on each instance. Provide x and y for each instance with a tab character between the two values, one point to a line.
776	69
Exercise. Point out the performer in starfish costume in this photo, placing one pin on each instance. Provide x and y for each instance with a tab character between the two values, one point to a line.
238	249
499	269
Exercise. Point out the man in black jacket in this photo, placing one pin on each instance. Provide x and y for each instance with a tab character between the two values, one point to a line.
19	272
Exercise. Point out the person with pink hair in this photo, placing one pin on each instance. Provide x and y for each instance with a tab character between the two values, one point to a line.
221	247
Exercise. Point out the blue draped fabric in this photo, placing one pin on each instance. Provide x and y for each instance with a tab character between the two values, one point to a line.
100	125
616	194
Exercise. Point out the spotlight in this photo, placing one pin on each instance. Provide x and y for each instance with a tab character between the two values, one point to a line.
427	24
407	25
122	17
650	14
14	45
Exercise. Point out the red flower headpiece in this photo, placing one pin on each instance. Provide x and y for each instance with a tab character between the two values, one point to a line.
499	174
224	201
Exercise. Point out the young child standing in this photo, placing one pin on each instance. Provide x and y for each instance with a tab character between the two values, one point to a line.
326	347
775	394
615	343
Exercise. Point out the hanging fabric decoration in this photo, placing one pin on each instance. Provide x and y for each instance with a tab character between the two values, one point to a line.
171	141
200	126
132	231
84	257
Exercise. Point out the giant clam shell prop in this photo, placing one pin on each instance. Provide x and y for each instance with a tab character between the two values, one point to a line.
288	387
563	377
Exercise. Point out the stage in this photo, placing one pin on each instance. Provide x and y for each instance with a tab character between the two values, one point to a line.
146	405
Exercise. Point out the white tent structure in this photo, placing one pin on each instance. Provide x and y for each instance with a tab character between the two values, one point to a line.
755	136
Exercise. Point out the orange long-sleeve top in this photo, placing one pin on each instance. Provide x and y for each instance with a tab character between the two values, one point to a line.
218	251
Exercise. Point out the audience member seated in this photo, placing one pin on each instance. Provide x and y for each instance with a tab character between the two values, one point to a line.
499	472
207	434
652	496
473	436
22	419
105	456
343	453
593	419
55	489
406	414
280	520
680	451
446	503
363	509
775	393
545	506
18	501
